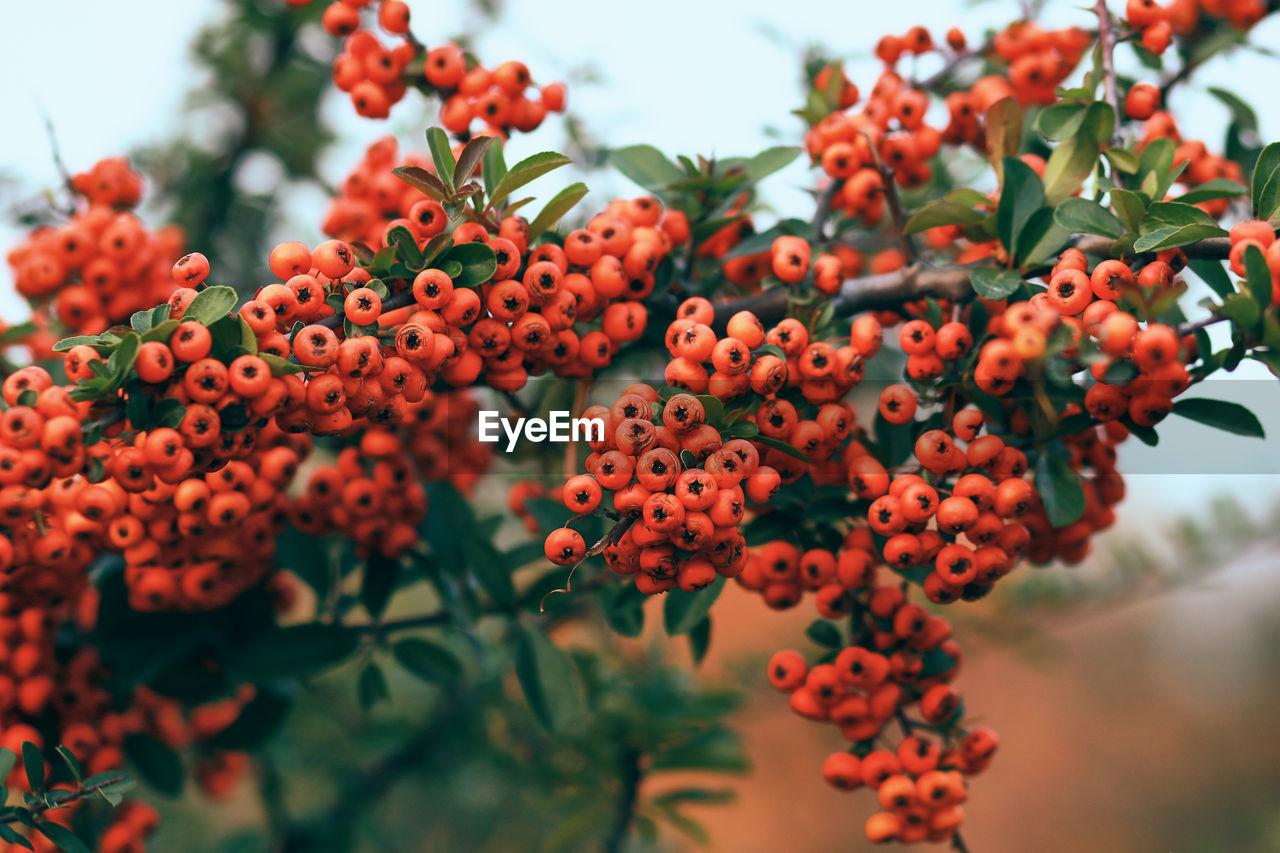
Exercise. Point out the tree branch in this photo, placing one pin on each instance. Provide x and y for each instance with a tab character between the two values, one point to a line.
1107	48
61	799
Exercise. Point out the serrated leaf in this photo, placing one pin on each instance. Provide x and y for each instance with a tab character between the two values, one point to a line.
1220	414
555	209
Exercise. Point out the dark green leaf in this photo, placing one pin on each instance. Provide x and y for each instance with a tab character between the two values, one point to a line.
682	611
824	633
469	159
1266	183
1258	276
555	209
769	161
211	304
442	156
525	171
423	181
479	263
1220	414
157	764
33	764
73	764
994	284
429	661
776	444
1217	188
548	679
372	686
1214	275
1021	196
1169	224
942	212
495	166
1059	488
66	840
296	651
1131	206
9	834
700	640
1061	120
1081	215
645	165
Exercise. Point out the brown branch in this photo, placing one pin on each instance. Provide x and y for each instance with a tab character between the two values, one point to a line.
62	799
893	289
1107	47
825	198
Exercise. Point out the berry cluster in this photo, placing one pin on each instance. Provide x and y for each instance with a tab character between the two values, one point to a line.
99	266
377	77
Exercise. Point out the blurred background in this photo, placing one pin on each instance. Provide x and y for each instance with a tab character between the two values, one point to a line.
1134	695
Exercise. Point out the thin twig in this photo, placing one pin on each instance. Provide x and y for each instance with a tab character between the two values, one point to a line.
1107	48
825	198
61	799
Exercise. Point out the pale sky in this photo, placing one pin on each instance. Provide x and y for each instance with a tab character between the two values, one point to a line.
691	77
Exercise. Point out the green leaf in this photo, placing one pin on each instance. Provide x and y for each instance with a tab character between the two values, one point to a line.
1131	206
1061	120
682	611
158	765
776	444
700	640
8	758
291	652
1258	276
770	160
377	582
1213	274
548	679
825	634
624	609
1003	133
406	247
1021	196
469	159
66	840
69	759
1266	184
1099	123
442	155
489	567
9	834
713	408
429	661
33	764
525	171
211	304
994	284
1168	224
1059	488
1122	160
479	263
1041	238
1242	310
423	181
1082	215
112	785
1220	414
371	688
1069	164
494	167
140	321
942	212
646	166
1217	188
555	209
